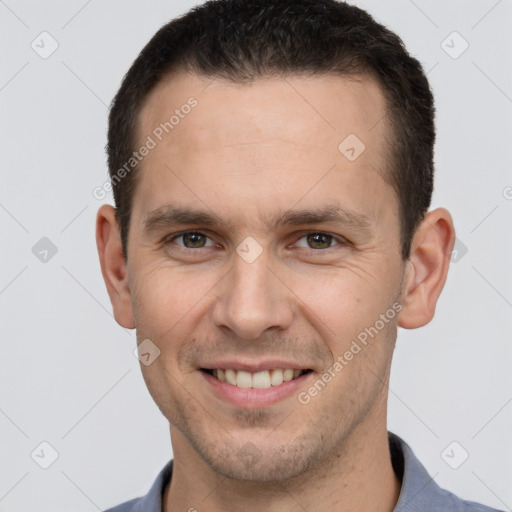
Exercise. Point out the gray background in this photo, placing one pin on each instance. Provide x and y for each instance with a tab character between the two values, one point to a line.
68	374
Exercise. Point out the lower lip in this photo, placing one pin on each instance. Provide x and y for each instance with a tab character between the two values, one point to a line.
252	397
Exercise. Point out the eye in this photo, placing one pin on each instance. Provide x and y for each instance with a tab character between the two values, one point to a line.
318	241
191	240
314	241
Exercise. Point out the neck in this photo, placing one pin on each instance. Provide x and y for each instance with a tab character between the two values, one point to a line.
357	477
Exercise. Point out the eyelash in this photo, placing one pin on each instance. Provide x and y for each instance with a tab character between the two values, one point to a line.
341	241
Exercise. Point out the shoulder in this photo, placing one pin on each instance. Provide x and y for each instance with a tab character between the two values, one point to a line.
453	502
152	501
419	490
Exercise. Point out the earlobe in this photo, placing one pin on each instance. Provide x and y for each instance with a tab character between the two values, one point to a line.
427	268
113	265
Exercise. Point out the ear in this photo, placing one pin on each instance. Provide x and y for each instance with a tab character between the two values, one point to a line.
113	265
426	268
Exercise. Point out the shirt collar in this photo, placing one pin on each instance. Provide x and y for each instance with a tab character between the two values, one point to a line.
419	491
152	501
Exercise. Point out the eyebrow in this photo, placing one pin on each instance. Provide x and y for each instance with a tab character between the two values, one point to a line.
169	215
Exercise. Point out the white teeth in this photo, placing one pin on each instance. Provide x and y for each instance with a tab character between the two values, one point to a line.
276	377
261	380
231	377
257	380
287	374
243	379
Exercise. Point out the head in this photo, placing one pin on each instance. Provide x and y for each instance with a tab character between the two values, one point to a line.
276	219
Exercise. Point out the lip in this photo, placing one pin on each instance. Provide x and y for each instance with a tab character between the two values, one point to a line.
252	397
253	367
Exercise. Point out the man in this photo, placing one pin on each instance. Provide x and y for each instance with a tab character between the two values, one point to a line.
272	169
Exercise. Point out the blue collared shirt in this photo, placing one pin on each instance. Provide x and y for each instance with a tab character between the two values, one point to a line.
419	492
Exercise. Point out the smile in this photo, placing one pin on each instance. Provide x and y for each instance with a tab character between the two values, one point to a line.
256	380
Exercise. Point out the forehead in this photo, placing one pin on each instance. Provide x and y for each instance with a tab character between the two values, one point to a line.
295	137
297	106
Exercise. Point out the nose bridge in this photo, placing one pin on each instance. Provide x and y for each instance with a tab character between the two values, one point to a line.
252	299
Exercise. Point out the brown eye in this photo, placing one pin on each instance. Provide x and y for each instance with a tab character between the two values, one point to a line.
194	240
191	240
317	241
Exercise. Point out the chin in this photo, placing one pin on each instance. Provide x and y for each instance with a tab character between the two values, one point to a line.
260	471
254	460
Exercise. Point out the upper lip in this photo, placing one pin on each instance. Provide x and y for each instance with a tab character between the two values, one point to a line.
254	366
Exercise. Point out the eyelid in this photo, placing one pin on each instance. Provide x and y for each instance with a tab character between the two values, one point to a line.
174	236
338	238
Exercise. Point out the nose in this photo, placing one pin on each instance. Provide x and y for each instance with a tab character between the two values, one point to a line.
252	298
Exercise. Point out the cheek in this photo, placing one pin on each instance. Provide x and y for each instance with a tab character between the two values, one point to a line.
344	303
168	299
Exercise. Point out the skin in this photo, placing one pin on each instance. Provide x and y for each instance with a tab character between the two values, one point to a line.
248	153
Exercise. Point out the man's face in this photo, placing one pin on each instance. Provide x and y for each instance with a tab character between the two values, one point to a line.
253	292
